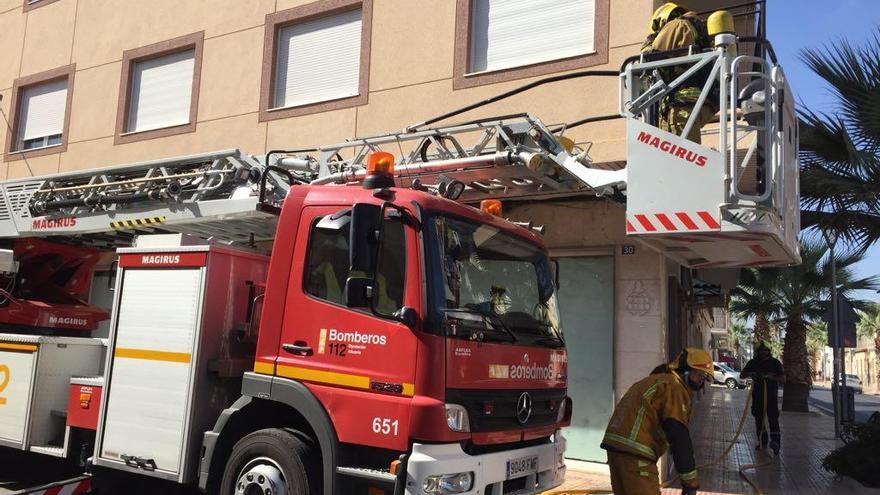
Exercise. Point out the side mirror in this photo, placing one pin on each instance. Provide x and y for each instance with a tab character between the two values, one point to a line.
366	225
408	316
555	262
358	292
363	250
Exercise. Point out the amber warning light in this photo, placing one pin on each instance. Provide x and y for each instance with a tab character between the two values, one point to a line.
491	206
380	170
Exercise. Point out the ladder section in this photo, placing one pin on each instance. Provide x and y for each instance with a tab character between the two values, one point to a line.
509	157
209	194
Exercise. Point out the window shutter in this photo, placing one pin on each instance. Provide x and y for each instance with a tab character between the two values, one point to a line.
512	33
318	60
161	92
42	110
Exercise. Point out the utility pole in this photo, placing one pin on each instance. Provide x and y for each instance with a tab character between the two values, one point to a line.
834	333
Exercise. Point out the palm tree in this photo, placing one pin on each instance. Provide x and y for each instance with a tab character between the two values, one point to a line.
803	295
869	327
817	339
754	297
840	167
737	332
793	297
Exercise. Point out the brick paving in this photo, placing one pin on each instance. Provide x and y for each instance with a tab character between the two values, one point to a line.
806	438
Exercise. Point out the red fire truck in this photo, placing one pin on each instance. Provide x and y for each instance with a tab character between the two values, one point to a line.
338	319
394	340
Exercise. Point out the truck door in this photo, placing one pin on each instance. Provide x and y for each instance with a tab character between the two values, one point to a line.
361	366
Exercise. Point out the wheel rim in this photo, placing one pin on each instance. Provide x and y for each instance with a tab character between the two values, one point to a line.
731	384
261	476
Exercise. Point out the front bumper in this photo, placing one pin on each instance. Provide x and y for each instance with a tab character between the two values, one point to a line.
490	470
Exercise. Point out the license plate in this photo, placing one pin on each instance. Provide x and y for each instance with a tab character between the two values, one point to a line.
522	466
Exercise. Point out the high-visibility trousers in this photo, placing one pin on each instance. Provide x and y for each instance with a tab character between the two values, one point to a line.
673	118
633	475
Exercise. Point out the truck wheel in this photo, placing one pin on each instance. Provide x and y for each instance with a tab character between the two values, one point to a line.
731	383
267	462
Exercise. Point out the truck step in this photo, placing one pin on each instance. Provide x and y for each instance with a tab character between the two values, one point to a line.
48	450
368	474
74	486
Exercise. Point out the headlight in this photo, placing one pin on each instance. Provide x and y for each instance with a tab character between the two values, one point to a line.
448	483
457	418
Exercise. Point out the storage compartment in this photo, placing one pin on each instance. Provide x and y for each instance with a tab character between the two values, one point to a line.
35	373
84	402
176	312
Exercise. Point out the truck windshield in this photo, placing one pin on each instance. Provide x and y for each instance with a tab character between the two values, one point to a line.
488	285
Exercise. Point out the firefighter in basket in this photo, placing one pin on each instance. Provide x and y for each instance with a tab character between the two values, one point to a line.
672	27
651	417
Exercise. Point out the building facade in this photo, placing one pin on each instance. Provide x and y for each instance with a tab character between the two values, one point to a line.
95	83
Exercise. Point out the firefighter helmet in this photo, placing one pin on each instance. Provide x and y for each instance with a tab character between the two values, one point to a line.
694	358
665	13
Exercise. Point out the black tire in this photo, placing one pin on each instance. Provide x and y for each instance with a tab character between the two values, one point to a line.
287	451
731	383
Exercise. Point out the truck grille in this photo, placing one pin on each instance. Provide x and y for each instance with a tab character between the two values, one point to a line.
496	410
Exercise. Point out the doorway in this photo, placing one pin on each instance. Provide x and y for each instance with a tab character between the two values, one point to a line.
586	301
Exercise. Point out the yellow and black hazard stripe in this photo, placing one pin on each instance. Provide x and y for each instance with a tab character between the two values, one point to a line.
137	222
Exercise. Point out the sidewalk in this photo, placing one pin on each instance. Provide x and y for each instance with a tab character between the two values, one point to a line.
806	438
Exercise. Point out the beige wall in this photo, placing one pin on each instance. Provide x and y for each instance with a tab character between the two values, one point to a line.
411	73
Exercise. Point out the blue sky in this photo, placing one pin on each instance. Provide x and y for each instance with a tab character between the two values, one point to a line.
793	25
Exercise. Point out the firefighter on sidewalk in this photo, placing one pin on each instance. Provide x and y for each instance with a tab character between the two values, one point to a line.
651	417
672	27
766	373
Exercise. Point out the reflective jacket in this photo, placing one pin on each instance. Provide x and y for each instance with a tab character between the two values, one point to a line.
687	30
653	414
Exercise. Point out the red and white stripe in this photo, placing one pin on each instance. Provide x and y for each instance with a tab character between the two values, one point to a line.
679	221
76	486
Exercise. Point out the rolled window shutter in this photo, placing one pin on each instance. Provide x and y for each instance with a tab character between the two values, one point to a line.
161	92
42	110
318	60
512	33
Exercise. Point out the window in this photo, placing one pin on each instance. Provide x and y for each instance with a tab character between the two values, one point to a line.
328	265
40	113
159	89
317	58
161	92
501	40
512	33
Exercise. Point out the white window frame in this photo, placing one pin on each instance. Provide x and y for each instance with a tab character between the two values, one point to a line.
45	140
133	102
560	24
282	72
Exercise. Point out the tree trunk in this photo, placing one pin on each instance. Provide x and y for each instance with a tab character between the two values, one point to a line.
762	329
877	356
797	366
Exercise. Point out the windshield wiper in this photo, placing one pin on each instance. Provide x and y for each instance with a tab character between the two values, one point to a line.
556	334
494	320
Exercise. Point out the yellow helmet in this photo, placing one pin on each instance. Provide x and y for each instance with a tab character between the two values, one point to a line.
665	13
696	359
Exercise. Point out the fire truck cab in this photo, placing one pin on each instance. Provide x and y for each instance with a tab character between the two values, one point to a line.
415	342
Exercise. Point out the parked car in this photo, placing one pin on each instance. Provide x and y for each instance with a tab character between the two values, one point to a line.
854	382
725	375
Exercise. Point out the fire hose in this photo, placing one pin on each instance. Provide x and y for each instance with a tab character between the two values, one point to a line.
717	461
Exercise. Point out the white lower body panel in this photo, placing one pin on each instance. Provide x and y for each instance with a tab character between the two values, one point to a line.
490	470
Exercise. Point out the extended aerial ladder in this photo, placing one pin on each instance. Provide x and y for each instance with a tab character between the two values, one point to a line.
727	202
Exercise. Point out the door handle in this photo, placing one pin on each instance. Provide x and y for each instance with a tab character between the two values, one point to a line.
299	348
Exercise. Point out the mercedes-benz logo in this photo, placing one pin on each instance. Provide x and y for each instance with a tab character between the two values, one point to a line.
524	408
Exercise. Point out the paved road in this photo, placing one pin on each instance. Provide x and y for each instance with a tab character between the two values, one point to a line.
820	397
